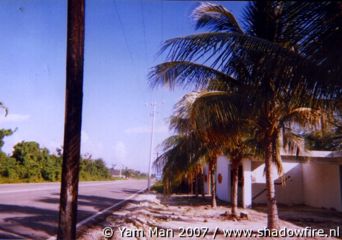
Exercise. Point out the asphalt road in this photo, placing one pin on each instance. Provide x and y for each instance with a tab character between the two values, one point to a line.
30	211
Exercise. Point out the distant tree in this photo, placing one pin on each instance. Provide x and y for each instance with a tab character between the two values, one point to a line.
102	170
5	133
51	166
9	167
29	162
330	141
29	157
93	169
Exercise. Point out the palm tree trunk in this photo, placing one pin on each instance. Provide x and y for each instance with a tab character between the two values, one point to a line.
73	121
234	196
191	184
165	187
196	185
272	210
202	182
209	180
212	166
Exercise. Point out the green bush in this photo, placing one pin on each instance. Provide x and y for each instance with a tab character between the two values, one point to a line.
30	163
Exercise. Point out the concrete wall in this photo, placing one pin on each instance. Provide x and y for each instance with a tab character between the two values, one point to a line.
291	193
247	187
313	184
223	188
322	185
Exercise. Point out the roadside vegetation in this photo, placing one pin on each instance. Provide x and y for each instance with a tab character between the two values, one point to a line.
31	163
158	187
131	173
259	85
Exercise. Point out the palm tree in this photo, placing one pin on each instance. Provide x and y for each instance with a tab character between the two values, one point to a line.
322	36
220	116
278	91
180	157
202	111
73	119
186	151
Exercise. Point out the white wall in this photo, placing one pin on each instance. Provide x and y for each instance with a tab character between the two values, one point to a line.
291	193
322	185
223	188
247	187
313	184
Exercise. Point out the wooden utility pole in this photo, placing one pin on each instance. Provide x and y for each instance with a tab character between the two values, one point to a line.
73	121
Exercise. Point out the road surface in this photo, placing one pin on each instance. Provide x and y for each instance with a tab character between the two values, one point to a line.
30	211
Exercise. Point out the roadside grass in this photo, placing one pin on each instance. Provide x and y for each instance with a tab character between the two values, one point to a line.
158	187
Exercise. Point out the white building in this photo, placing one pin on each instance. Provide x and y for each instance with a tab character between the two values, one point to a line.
313	179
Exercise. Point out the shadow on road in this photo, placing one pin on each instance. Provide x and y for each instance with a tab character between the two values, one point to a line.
188	200
129	191
99	203
39	223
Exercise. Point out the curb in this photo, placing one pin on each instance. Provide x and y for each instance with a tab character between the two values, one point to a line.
89	219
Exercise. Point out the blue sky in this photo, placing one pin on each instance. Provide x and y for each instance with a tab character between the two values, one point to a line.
123	38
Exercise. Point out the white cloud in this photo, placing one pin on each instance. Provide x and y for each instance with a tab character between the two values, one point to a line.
13	117
144	129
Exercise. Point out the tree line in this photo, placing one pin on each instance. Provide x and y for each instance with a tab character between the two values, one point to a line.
29	162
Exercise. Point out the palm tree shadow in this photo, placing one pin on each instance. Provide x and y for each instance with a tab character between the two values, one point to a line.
29	222
188	200
127	190
306	216
96	202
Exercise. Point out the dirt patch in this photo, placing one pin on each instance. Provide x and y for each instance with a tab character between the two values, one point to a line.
151	216
304	216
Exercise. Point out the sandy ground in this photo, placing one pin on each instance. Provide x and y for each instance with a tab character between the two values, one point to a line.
151	216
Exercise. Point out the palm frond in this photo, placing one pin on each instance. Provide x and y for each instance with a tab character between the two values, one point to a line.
211	109
304	116
216	18
185	73
217	48
293	143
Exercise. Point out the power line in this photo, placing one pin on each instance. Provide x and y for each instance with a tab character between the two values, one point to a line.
123	31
